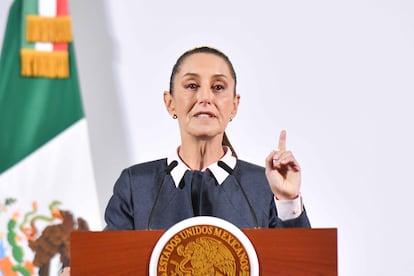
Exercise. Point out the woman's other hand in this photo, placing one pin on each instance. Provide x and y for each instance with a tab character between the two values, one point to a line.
65	272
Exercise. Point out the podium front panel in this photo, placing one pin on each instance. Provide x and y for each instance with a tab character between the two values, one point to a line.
294	251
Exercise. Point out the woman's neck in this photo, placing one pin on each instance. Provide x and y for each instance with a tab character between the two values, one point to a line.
198	155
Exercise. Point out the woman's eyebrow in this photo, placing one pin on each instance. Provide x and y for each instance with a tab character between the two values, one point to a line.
220	76
189	74
197	75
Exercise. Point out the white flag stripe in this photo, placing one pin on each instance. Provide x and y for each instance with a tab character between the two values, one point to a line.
47	8
59	170
44	46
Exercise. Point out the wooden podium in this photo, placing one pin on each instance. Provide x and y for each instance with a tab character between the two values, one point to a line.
280	251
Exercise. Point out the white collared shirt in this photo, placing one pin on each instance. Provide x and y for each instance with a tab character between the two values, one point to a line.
286	209
219	174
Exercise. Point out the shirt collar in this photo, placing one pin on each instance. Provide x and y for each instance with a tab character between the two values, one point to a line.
219	174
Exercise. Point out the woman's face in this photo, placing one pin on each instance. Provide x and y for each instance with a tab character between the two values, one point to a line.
203	96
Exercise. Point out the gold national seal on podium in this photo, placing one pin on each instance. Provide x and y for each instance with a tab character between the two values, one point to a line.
204	246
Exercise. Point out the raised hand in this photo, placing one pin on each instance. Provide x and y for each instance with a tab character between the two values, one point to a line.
283	171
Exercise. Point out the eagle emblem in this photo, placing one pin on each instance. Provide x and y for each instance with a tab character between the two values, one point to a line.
205	256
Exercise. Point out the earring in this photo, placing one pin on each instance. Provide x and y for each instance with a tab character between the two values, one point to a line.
175	116
231	119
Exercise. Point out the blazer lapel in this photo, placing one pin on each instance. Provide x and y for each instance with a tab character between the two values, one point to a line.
238	211
173	205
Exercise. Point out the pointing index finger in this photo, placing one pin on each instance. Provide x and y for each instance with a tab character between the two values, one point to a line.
282	141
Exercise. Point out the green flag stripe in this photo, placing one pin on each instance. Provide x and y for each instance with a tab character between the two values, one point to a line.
29	7
32	110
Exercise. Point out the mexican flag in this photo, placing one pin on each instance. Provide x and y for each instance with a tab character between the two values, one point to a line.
47	186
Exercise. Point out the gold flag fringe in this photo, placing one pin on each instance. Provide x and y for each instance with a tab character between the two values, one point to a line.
44	64
48	29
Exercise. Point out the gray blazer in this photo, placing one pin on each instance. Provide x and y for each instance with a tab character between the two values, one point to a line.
145	197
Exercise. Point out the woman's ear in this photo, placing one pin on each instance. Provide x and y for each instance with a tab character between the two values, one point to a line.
236	101
169	103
